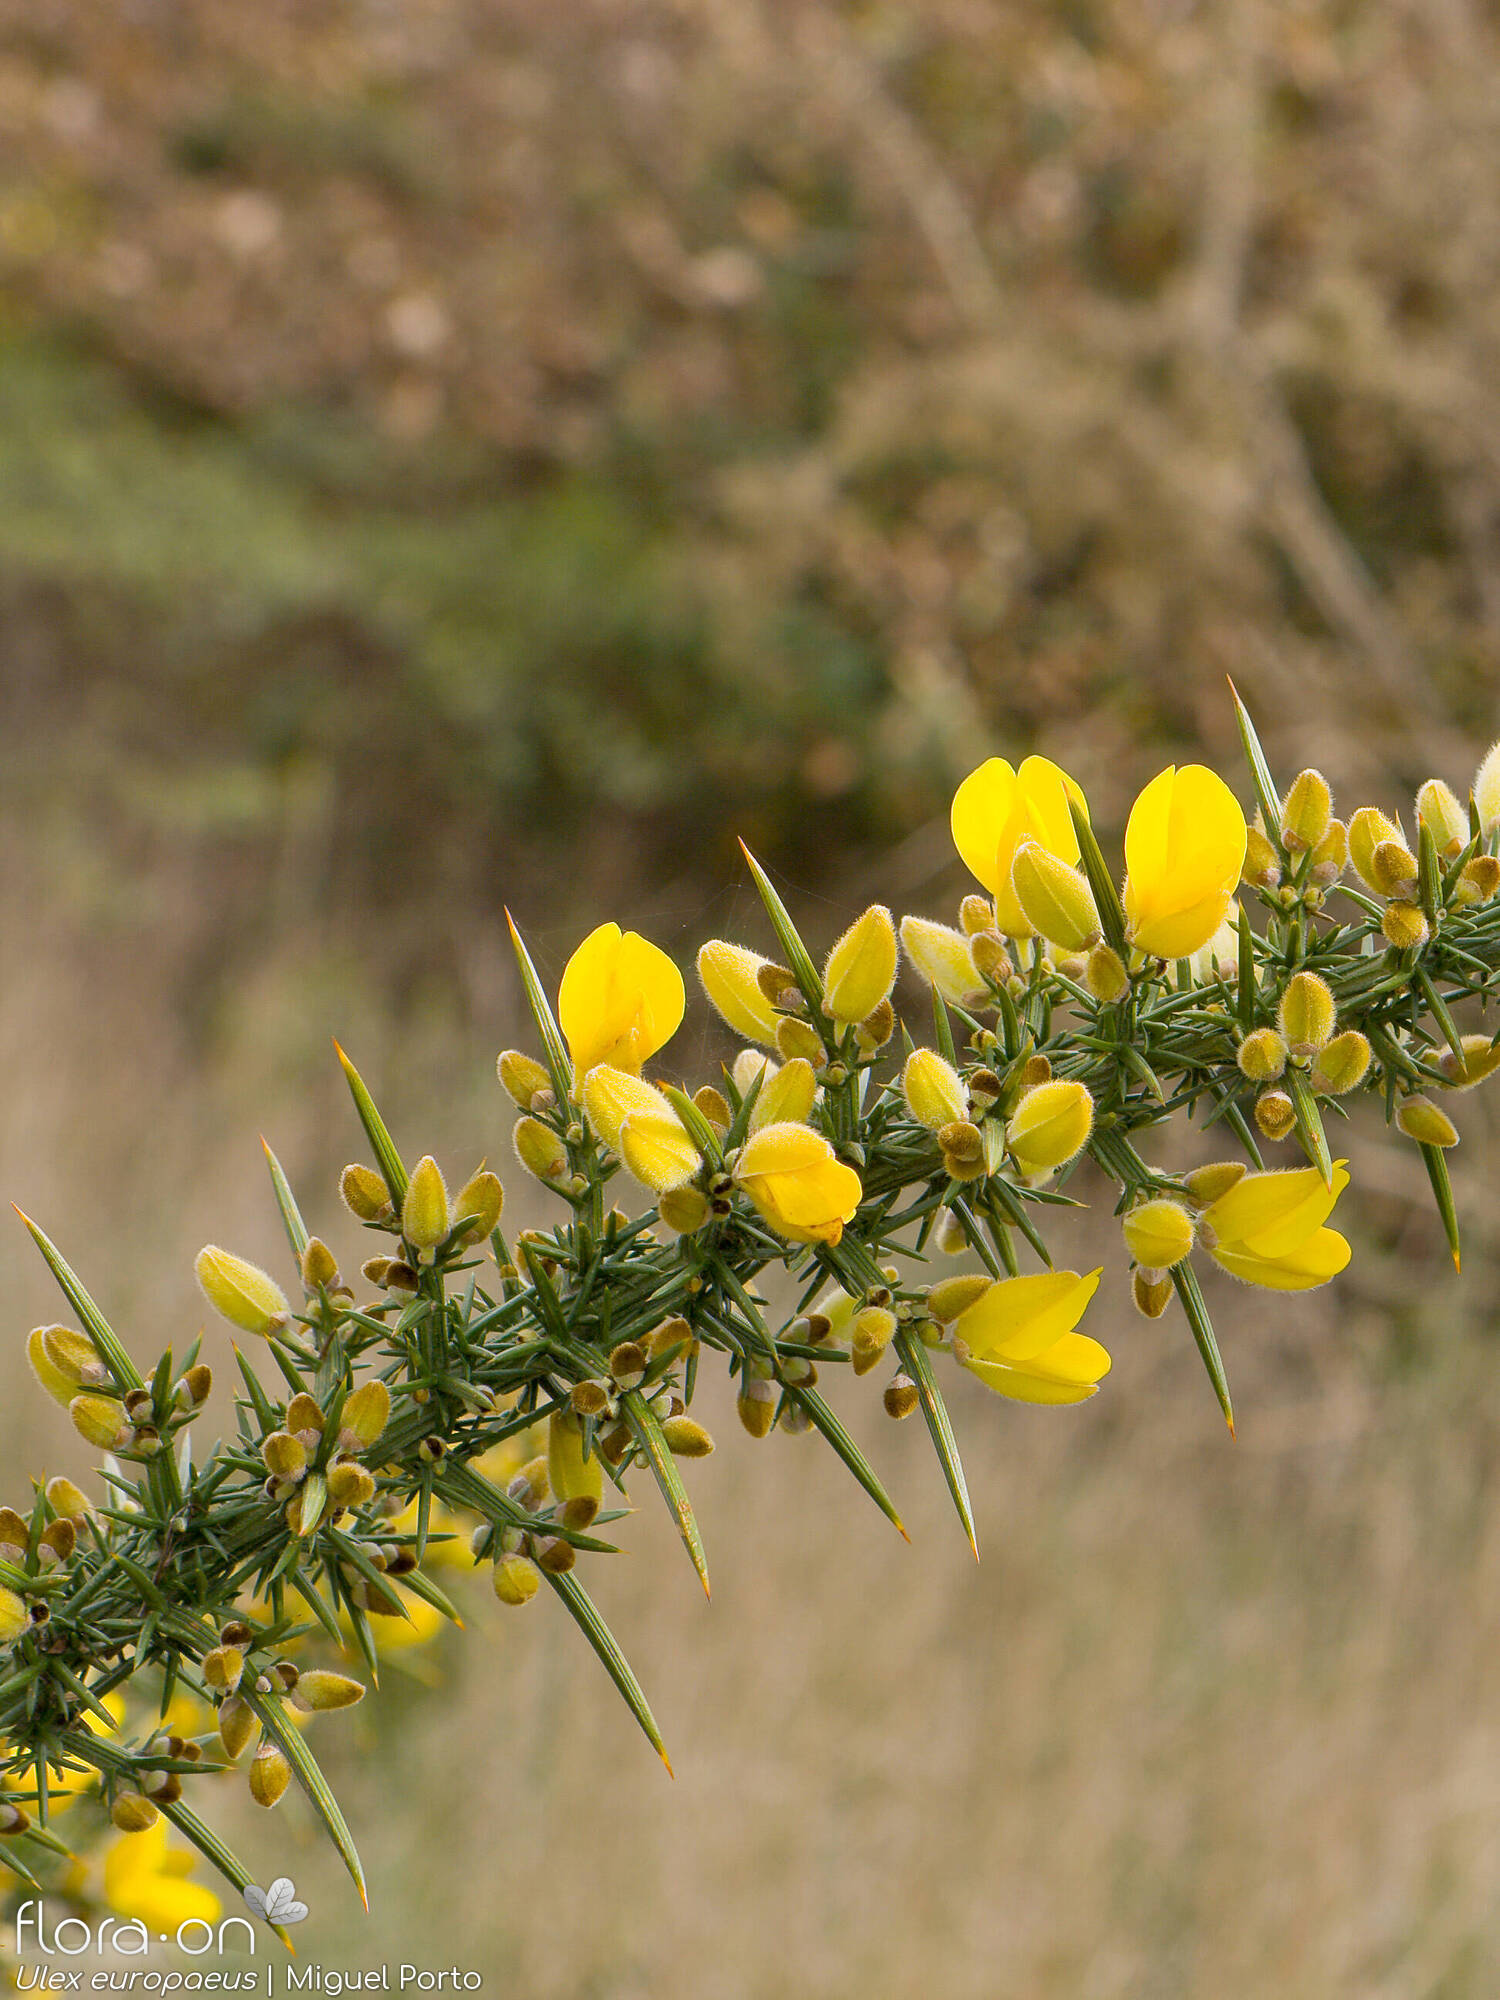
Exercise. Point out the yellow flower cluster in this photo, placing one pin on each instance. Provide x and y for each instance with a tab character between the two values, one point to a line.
482	1401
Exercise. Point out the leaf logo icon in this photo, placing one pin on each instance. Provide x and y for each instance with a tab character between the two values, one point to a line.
278	1904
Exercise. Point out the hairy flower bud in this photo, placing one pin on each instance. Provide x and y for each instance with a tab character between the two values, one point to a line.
756	1406
1368	829
270	1774
1330	857
100	1422
1275	1114
901	1396
516	1580
1306	1015
933	1089
245	1295
1444	818
425	1214
1404	927
319	1689
1158	1234
1150	1293
1056	900
952	1296
684	1209
1205	1184
731	979
483	1197
1342	1064
1105	974
1420	1119
540	1151
365	1194
1049	1126
1261	868
861	967
1481	1059
1262	1055
1393	867
1306	811
872	1330
522	1076
945	958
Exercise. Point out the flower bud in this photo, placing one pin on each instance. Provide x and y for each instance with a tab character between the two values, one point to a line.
366	1412
285	1456
59	1386
1420	1119
686	1438
1487	791
237	1726
876	1029
1404	927
901	1396
714	1106
522	1076
1368	829
796	1039
778	985
1481	1059
320	1689
1056	900
1342	1064
74	1356
731	979
1275	1114
100	1422
245	1295
66	1501
684	1209
365	1194
1262	1055
425	1215
270	1774
975	914
756	1406
133	1814
872	1330
1261	868
945	958
1306	811
484	1198
933	1090
1205	1184
1152	1295
319	1266
1330	857
1444	818
1479	879
350	1485
861	967
950	1235
1050	1125
787	1096
1306	1014
1393	866
1158	1234
554	1555
1105	974
516	1580
196	1385
540	1150
222	1668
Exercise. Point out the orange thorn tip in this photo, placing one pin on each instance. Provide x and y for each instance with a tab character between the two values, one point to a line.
1456	1264
1230	1421
666	1760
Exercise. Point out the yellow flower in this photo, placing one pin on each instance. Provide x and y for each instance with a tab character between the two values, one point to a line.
933	1089
639	1122
787	1097
792	1176
1184	849
145	1882
620	1000
1018	1338
996	808
1268	1229
730	975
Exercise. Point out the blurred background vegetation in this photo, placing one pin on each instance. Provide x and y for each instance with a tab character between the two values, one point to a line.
466	452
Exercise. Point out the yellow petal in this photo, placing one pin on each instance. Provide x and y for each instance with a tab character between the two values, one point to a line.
1069	1371
781	1149
981	807
1321	1257
610	1096
1184	849
619	1001
1271	1214
787	1097
658	1151
1018	1318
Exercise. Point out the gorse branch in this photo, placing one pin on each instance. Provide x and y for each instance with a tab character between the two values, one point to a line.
473	1394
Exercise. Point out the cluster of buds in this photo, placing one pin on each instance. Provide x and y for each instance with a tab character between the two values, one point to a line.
1254	976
